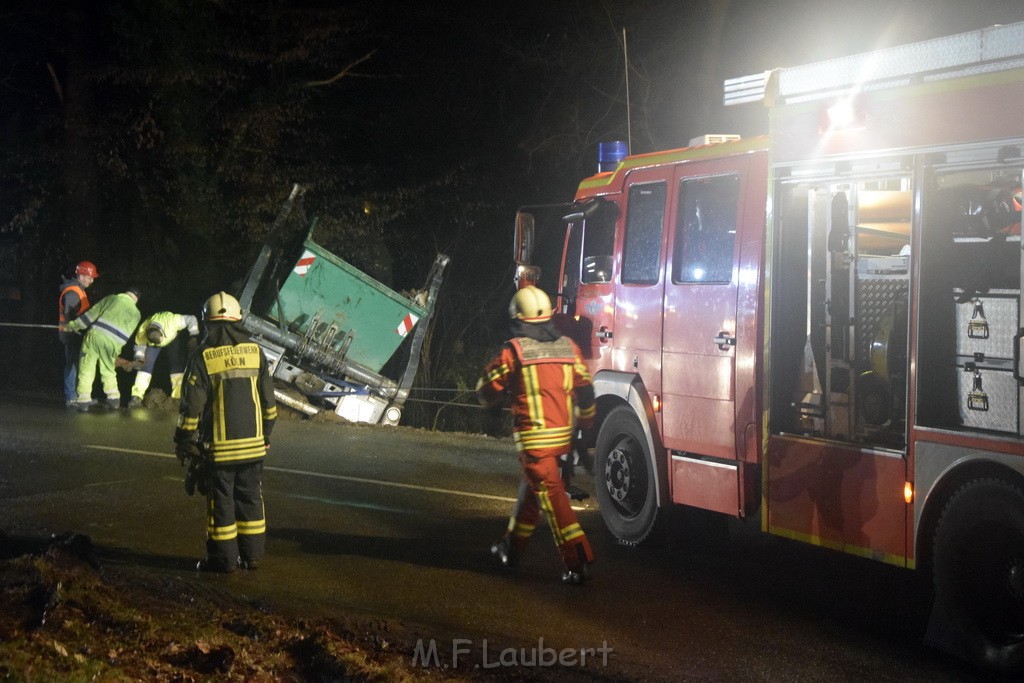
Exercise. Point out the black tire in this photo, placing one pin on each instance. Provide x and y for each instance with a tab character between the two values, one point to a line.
979	572
624	479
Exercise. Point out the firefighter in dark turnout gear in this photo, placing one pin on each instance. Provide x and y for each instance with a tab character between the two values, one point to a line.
227	413
543	376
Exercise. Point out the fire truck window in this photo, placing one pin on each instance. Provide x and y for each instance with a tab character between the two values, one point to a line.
706	230
641	257
598	243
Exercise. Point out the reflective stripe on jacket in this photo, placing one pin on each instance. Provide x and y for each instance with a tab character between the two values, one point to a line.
170	323
548	385
116	316
228	396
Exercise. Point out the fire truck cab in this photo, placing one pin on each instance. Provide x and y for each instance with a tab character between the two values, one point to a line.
820	329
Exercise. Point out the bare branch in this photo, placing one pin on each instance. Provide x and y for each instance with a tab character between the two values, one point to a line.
341	74
56	82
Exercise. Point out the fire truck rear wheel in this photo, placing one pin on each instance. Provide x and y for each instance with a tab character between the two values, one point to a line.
624	479
979	572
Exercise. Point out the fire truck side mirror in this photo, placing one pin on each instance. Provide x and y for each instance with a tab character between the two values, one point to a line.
522	246
584	211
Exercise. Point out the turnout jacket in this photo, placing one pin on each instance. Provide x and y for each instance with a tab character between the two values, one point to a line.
227	397
547	384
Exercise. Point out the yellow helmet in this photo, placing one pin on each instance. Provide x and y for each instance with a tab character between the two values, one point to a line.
222	306
531	305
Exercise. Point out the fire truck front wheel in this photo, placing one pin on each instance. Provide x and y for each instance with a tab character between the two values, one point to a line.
624	478
979	573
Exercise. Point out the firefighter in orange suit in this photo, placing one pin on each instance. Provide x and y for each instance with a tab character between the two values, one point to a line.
227	413
542	375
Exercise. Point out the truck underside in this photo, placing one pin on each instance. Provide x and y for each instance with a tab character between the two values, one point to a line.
340	340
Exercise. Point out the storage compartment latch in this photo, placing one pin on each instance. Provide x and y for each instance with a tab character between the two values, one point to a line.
977	399
977	328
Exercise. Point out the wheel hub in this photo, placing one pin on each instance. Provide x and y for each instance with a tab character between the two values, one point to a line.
616	475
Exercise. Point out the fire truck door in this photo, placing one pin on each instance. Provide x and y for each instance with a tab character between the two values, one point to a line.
700	333
636	337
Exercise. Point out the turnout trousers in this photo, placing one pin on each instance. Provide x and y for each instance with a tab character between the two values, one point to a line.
235	523
542	490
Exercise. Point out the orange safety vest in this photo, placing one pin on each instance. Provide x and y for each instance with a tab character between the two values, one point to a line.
60	303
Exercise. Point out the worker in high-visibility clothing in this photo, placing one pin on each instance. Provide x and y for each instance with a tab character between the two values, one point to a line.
543	377
228	411
161	331
73	302
108	325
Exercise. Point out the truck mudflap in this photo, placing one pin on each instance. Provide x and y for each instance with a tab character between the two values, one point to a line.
329	330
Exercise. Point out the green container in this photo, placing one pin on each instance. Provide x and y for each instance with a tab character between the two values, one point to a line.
322	286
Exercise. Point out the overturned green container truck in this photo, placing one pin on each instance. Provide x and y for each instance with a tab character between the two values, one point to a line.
338	339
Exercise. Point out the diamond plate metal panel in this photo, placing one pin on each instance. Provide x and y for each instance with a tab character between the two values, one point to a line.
881	282
988	399
987	324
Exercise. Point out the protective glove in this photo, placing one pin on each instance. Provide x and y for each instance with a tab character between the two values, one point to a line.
197	477
187	450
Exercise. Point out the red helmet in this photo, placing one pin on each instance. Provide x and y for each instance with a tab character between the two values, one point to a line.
87	268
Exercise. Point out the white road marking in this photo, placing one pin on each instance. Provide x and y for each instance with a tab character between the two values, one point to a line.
337	477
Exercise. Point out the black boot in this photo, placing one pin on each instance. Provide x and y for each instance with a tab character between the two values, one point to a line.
502	552
576	577
215	566
580	573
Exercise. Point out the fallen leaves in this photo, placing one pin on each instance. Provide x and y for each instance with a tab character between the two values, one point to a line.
63	616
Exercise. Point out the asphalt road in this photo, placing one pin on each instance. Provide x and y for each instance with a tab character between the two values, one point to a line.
394	525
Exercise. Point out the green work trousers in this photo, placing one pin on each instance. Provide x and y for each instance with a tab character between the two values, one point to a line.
98	348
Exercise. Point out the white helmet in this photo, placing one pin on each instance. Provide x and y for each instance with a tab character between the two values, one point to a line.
222	306
531	305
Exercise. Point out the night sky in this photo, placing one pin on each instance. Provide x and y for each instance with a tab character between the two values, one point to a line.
158	137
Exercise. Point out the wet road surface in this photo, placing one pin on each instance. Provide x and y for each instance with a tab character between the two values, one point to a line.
394	524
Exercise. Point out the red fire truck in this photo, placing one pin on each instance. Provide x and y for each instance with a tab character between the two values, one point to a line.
820	329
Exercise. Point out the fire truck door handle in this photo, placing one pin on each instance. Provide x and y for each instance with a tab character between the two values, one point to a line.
1017	339
724	340
604	333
